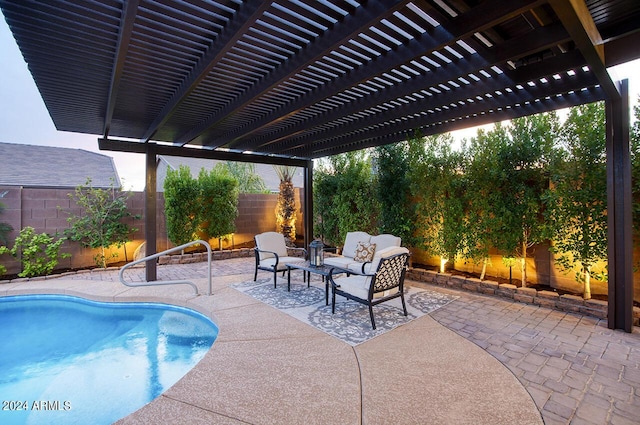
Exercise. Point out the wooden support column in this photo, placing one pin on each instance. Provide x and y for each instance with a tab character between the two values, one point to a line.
308	203
150	213
619	206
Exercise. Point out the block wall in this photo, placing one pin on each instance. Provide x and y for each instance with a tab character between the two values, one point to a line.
47	210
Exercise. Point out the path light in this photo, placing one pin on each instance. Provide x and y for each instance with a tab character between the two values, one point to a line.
316	253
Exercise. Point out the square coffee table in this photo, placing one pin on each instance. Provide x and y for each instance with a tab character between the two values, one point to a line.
307	268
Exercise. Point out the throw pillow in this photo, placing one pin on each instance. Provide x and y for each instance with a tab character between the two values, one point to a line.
364	252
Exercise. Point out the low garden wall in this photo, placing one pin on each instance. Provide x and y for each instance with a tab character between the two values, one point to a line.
550	299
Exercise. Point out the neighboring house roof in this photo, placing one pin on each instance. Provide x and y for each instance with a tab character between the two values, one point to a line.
47	166
266	171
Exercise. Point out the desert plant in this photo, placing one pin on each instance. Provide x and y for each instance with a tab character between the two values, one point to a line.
286	205
38	253
100	223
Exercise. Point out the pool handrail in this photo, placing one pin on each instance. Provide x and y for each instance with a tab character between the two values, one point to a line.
168	282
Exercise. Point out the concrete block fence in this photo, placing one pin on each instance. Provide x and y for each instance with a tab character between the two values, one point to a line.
47	210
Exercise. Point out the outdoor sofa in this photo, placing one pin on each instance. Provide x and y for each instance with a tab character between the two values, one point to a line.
361	252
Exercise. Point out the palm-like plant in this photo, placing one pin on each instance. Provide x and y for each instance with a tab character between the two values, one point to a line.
286	207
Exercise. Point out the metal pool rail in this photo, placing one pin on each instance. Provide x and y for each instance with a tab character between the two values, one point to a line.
168	282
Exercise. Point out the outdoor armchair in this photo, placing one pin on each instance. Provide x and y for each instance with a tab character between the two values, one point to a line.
385	284
272	254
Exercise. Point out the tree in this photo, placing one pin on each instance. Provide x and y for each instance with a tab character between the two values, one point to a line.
577	205
245	174
286	206
438	185
5	229
101	223
181	205
393	190
526	166
481	220
218	199
344	197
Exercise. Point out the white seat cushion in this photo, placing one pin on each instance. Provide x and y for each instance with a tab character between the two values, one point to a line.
342	262
358	285
270	262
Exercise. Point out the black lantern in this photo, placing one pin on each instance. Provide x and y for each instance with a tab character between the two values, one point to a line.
316	253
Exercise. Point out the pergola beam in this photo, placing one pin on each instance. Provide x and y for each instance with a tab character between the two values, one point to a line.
150	212
576	18
619	206
124	37
170	150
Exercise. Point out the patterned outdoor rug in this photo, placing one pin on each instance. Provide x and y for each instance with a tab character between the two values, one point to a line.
351	322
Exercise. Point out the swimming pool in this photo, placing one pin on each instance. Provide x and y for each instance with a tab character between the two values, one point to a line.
69	360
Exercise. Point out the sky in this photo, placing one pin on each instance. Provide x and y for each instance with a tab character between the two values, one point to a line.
24	118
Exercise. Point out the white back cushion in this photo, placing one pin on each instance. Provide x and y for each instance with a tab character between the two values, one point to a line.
385	241
351	242
383	253
271	241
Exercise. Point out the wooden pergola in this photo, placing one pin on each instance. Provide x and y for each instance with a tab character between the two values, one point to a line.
287	81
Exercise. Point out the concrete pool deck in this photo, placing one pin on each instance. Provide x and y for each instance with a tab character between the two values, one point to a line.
478	360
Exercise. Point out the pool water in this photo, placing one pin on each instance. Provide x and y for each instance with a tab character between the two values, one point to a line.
66	360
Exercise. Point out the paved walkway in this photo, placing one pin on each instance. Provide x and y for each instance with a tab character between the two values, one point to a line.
576	370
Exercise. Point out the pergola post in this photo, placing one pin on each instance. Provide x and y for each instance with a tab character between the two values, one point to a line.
308	203
150	203
619	206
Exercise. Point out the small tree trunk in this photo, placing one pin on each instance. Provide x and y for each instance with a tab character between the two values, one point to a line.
484	268
103	260
523	264
587	283
443	262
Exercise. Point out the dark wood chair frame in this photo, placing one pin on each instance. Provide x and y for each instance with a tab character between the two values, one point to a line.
390	274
